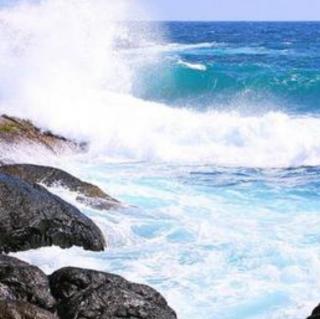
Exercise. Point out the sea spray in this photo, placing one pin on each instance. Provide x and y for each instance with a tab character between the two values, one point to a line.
217	241
70	67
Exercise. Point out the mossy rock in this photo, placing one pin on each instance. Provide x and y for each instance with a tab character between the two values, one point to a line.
8	128
14	131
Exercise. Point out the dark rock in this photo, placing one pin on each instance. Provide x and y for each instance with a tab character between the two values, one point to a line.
23	310
90	195
20	281
316	313
31	217
90	294
15	131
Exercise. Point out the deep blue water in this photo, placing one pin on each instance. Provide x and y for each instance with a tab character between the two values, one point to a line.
264	63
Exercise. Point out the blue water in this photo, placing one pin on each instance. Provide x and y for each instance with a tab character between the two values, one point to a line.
256	62
234	232
217	242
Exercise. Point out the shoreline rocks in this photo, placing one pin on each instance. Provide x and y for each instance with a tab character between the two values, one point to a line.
89	194
20	281
91	294
315	313
15	131
32	217
74	293
23	310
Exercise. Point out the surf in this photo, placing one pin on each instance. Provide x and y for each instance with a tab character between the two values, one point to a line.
212	160
66	67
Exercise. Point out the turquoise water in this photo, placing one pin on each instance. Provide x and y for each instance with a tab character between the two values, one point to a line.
217	242
209	133
257	62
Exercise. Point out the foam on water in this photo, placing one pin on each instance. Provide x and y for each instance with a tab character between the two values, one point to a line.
175	47
62	66
218	243
147	131
193	66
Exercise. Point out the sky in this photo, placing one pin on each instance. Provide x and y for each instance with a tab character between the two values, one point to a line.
222	10
232	9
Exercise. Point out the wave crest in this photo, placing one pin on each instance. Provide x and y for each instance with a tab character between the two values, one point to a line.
62	65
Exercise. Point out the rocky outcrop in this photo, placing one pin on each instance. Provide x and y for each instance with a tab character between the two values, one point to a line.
90	294
89	194
20	281
32	217
17	131
316	313
23	310
26	292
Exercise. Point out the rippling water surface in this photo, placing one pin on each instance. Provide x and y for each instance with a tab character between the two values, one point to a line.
209	132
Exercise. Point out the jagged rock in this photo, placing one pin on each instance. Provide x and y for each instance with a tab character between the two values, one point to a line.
23	310
89	294
32	217
89	194
20	281
15	131
316	313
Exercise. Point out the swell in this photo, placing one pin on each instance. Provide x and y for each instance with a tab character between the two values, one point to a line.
204	84
70	68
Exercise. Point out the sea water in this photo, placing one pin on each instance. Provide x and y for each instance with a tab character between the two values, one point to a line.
208	132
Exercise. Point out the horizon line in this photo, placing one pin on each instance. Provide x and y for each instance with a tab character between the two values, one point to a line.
221	21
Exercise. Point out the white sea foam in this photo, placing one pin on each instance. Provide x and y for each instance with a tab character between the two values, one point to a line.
61	66
224	253
130	129
193	66
175	47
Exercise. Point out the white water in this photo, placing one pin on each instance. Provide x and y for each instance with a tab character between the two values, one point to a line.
229	252
62	66
248	249
193	66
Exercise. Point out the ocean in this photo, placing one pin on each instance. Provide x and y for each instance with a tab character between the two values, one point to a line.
208	131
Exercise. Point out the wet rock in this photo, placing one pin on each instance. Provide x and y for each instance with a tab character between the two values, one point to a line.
316	313
89	194
15	131
89	294
22	310
31	217
20	281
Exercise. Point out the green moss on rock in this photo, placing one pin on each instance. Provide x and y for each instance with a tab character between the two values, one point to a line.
8	128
